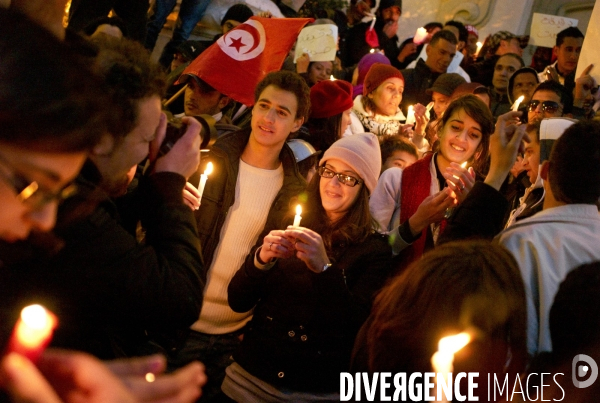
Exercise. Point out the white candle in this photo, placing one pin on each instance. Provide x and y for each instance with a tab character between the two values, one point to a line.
515	106
420	36
410	119
443	360
298	216
479	45
203	179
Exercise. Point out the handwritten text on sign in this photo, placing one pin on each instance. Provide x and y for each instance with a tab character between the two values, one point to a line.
319	41
545	27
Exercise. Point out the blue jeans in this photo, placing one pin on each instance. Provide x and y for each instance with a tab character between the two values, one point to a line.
215	351
190	12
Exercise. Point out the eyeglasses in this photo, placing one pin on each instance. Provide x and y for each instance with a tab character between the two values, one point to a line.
29	192
345	179
547	106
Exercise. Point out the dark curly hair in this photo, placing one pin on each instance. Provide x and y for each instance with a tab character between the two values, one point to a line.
130	76
291	82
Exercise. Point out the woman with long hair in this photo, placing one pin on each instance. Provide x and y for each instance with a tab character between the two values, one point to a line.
311	286
473	287
412	203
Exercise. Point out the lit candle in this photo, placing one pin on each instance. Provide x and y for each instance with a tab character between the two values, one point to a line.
443	360
332	78
32	332
515	106
463	165
372	50
204	178
420	36
298	216
410	119
479	45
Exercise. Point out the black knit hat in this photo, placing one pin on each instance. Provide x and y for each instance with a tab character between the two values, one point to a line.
390	3
238	12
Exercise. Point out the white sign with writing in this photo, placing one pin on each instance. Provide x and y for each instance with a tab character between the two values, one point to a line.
545	27
589	50
319	41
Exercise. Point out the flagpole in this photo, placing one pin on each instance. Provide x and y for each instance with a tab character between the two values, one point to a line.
174	97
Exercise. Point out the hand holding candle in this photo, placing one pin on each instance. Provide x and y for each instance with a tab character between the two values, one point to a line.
298	216
203	179
33	332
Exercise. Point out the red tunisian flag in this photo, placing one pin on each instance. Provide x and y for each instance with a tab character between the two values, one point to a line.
241	58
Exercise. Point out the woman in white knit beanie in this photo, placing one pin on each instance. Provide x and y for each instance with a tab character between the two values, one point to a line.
311	286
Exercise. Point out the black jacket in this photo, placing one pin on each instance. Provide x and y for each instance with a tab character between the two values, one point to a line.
107	289
219	193
355	46
416	81
304	323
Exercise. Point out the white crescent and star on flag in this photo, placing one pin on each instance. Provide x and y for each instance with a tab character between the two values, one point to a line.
245	42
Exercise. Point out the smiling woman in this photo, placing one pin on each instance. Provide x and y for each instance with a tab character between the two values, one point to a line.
413	203
311	287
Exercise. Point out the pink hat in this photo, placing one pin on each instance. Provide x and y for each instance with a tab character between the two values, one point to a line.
362	153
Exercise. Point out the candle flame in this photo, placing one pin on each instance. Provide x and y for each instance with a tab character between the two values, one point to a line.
411	109
332	78
35	316
515	106
463	165
298	210
452	344
150	377
372	50
209	169
36	325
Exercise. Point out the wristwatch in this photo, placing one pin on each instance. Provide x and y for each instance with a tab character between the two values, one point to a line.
327	266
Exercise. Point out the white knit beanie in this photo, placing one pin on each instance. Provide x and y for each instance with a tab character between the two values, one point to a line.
362	153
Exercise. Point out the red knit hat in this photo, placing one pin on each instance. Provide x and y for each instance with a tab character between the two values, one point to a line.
377	74
329	98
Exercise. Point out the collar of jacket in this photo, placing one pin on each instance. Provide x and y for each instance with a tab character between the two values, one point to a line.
231	146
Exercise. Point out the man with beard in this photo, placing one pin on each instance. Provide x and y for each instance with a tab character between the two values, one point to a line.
109	290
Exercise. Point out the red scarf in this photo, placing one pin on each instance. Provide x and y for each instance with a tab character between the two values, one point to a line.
416	185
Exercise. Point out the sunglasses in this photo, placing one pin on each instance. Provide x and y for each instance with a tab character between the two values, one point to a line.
547	106
342	178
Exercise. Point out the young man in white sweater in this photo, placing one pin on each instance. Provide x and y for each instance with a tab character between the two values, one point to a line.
249	192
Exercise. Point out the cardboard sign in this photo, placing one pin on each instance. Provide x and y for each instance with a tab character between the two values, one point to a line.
319	41
589	50
545	27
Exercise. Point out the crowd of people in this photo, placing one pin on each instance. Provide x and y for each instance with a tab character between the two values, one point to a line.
193	248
